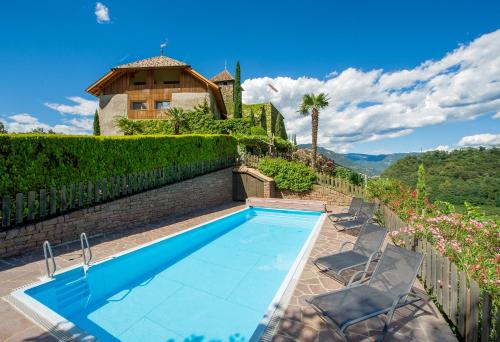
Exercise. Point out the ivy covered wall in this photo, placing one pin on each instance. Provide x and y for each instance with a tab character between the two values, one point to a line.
268	117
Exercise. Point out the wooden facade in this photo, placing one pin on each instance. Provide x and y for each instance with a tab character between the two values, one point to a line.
152	91
149	86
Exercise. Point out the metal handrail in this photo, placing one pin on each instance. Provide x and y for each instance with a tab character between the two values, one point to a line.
85	245
47	251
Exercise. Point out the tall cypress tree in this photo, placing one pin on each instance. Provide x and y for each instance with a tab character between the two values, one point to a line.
97	127
421	192
252	117
237	92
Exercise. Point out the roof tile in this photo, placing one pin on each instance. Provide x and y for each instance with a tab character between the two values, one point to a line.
153	62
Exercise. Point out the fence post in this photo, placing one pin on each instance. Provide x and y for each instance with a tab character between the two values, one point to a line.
462	303
64	205
97	191
31	205
89	193
112	187
454	294
445	283
485	324
19	208
72	198
53	201
6	211
43	203
473	319
80	195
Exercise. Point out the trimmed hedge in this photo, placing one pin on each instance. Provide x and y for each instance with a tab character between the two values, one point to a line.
33	161
193	123
288	175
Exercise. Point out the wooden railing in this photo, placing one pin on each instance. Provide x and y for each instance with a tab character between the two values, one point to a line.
340	185
38	205
459	298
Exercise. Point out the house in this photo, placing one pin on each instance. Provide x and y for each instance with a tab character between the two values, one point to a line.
146	88
226	83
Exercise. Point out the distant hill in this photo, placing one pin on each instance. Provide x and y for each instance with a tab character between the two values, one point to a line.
471	174
372	165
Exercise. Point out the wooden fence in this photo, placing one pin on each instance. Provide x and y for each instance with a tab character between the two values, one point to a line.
44	203
340	185
469	310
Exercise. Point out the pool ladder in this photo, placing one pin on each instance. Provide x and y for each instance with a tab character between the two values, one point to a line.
85	247
47	253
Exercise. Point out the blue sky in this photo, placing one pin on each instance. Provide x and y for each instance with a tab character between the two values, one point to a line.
53	50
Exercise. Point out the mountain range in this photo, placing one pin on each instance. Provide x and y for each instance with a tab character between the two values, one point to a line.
370	164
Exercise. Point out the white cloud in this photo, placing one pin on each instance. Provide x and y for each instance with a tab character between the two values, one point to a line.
101	13
480	140
82	106
496	116
23	123
445	148
373	105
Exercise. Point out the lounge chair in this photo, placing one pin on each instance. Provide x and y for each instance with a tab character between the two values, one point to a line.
388	289
364	251
365	215
351	213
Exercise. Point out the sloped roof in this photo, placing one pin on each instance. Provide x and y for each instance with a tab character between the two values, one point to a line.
153	62
223	76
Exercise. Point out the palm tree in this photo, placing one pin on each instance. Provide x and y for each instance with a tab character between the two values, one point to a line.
177	116
311	105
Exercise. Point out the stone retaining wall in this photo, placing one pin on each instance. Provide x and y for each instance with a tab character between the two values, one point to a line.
332	197
180	198
324	193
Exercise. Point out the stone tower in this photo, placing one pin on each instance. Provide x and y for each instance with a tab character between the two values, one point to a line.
226	82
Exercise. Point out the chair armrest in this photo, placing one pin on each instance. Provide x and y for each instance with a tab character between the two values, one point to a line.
344	244
351	281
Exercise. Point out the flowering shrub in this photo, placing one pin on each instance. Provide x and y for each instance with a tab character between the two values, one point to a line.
471	241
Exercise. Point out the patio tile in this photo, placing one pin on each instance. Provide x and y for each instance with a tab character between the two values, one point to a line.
300	322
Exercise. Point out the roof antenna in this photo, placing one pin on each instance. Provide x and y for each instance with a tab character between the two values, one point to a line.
162	46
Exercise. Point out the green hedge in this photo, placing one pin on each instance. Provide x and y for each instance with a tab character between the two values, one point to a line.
193	122
32	162
288	175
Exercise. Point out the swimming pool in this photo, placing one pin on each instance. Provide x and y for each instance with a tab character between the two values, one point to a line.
218	281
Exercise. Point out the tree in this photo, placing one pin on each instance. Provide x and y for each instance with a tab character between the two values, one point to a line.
41	130
2	128
97	127
295	139
311	105
421	189
237	93
252	117
178	118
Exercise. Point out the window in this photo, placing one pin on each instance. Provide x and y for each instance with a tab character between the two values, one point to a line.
159	105
139	105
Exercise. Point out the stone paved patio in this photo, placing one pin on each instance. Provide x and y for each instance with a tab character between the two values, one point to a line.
299	323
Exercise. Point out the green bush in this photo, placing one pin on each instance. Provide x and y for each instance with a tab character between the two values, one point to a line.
257	130
31	162
288	175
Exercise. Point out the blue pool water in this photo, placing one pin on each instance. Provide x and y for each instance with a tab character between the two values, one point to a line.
212	283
